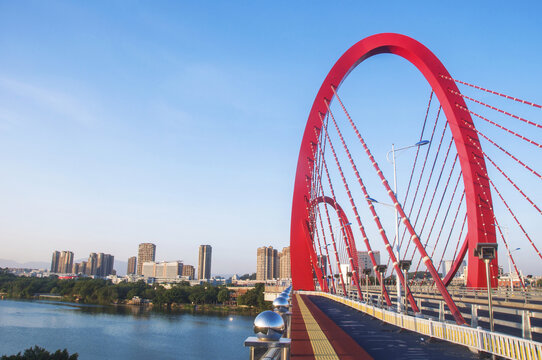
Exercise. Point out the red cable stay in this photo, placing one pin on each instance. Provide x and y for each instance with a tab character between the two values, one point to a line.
414	237
491	91
372	209
496	109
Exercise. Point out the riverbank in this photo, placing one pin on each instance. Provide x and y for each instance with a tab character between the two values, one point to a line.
85	290
210	309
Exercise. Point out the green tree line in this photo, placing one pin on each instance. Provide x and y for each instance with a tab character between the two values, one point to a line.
100	291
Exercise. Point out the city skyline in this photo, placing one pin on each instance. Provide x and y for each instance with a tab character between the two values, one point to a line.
137	131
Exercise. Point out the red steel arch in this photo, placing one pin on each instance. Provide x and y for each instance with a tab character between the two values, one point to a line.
344	222
477	193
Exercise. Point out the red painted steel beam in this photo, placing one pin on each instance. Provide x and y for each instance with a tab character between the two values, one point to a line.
478	197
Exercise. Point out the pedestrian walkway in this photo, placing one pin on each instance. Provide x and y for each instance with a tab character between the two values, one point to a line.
385	341
316	336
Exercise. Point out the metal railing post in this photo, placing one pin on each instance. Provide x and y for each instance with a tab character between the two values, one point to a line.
526	325
489	300
474	315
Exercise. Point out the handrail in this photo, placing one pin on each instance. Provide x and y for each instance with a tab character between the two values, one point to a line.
506	346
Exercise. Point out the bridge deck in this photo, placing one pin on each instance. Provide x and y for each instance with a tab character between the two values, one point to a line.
316	336
381	340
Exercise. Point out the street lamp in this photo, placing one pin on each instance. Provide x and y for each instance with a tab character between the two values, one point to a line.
393	151
487	252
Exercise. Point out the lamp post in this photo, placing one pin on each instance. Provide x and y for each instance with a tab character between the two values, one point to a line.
487	252
393	151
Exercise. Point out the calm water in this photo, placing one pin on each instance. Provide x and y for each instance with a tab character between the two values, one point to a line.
97	332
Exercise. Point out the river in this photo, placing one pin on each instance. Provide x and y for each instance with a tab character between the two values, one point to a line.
108	332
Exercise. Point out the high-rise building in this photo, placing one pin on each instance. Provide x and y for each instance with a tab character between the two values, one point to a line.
107	264
92	263
188	270
82	267
132	261
267	265
55	261
145	253
364	260
99	265
204	262
162	270
65	262
285	271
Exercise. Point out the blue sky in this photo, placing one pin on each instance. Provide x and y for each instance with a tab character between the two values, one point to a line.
179	123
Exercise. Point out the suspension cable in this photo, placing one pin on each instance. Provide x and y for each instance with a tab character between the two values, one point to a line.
373	212
451	230
496	109
506	152
509	254
492	92
500	126
427	260
354	208
427	185
439	205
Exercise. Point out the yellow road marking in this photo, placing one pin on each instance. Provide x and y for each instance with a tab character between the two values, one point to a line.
321	346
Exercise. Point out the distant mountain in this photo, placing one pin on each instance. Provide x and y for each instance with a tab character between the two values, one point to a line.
27	265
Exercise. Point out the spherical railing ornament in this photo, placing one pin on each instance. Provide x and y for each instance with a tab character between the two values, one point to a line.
280	302
269	325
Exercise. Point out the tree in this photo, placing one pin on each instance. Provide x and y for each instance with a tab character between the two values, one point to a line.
224	295
37	353
254	297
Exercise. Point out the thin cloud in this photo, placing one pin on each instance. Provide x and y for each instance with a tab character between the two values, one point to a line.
62	104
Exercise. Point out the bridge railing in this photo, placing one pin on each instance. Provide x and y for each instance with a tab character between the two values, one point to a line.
502	345
532	295
513	317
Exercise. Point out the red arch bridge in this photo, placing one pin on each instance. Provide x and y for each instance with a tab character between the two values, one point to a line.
393	228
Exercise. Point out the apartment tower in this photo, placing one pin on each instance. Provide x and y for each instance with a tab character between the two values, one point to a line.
55	261
204	263
146	253
188	270
267	266
285	271
132	261
65	262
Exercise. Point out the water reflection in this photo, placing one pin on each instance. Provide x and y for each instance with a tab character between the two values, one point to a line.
119	332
